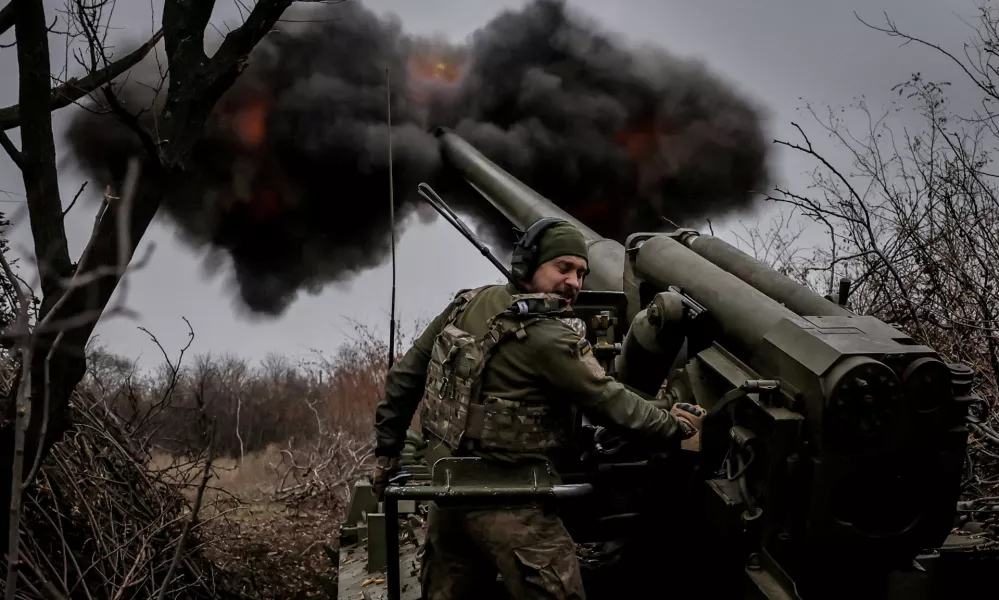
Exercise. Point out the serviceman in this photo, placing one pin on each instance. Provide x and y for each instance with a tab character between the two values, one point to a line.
498	373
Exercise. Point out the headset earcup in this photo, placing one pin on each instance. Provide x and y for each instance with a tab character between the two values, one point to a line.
525	252
518	265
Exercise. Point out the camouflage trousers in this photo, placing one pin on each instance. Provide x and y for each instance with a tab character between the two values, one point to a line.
529	547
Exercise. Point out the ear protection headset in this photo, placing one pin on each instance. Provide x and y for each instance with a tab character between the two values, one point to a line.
525	251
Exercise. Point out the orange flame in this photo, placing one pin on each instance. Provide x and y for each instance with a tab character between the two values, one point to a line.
251	123
428	67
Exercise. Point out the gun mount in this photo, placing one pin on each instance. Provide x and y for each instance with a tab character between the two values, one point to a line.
830	461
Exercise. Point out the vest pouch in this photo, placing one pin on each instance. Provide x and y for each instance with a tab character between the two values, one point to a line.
453	364
517	426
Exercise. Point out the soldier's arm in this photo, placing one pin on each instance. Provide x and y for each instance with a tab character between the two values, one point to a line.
404	389
568	365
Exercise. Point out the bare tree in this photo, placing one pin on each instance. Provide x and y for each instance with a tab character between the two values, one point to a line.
57	357
913	218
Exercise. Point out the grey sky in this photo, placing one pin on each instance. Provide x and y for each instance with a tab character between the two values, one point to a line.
776	51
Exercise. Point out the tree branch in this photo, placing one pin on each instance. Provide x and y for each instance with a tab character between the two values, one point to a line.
12	151
184	23
22	411
246	36
7	17
148	143
193	95
74	89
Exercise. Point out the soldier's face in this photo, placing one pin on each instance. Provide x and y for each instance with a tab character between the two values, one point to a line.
562	275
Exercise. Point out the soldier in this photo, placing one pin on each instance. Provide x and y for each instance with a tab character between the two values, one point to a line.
498	373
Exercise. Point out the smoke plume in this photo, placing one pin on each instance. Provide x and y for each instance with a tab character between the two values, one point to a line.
291	178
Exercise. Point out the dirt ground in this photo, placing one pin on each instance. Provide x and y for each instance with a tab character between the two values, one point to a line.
267	549
272	551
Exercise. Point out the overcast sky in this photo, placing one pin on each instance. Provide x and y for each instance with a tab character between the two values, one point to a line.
779	52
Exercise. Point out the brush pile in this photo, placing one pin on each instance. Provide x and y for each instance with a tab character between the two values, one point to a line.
99	522
322	474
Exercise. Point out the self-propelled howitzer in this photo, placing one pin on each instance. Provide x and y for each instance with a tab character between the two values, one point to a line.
830	462
834	446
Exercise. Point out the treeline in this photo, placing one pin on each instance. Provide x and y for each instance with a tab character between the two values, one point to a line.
245	407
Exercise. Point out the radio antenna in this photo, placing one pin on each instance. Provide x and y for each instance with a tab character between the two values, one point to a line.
451	217
388	102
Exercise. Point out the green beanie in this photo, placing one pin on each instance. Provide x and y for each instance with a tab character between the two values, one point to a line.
561	239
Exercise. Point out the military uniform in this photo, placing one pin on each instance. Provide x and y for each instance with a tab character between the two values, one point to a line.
520	407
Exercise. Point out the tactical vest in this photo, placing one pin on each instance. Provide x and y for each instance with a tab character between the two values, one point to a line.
453	408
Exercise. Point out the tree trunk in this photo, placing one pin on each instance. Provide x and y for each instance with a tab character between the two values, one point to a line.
41	186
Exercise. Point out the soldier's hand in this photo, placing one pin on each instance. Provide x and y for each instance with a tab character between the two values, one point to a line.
385	467
689	416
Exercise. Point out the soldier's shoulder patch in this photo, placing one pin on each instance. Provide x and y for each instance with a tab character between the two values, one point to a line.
590	360
583	347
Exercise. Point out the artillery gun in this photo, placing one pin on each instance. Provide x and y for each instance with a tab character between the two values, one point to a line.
829	464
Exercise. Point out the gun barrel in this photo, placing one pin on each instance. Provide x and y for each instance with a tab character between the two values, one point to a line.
745	314
781	288
522	206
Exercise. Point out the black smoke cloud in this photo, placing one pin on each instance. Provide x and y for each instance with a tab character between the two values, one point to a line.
291	177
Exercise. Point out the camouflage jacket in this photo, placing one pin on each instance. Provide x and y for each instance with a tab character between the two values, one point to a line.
552	363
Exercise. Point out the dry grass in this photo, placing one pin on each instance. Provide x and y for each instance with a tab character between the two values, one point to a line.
254	479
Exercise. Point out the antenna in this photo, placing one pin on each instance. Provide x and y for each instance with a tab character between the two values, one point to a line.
388	102
451	217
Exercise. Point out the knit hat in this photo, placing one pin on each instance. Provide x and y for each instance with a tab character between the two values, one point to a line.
561	239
